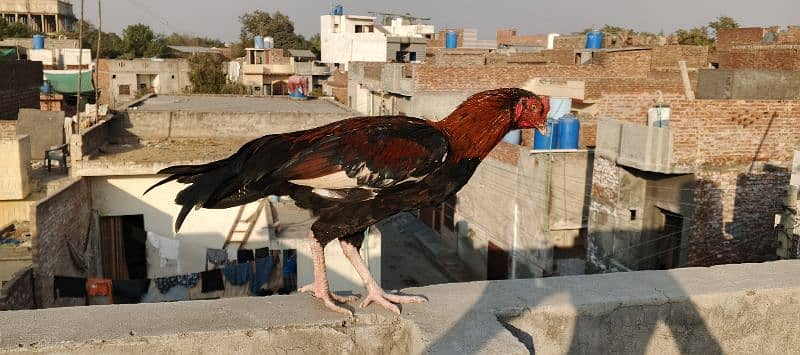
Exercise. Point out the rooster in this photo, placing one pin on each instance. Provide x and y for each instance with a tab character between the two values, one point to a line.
356	172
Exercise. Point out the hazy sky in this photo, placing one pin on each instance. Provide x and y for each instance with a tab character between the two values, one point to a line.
219	19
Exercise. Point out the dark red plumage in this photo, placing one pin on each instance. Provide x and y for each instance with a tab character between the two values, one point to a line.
355	172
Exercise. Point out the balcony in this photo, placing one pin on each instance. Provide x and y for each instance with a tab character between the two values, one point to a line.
267	69
637	146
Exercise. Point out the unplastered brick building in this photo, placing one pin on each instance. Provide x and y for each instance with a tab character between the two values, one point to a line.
701	191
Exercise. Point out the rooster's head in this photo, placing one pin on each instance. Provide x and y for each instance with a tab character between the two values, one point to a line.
531	111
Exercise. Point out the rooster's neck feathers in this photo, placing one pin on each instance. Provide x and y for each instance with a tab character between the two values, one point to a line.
480	122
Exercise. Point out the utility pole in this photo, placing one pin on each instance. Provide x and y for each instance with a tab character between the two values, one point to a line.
80	72
97	60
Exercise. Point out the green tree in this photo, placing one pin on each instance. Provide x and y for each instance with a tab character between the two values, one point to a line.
697	36
176	39
111	45
205	73
276	25
722	22
316	44
13	29
139	41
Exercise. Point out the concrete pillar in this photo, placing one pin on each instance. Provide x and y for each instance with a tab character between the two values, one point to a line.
58	24
41	17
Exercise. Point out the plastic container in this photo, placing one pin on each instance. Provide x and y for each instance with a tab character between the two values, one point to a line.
594	40
451	39
658	116
569	128
546	141
38	41
258	42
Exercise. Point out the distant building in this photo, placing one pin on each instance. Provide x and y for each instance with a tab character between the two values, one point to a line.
121	81
266	71
349	38
47	16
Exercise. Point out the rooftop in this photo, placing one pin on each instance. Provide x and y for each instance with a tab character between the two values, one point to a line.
221	103
745	308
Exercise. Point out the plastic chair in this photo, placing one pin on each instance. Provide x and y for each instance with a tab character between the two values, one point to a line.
58	153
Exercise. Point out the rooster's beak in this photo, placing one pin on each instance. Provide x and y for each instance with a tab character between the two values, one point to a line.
542	130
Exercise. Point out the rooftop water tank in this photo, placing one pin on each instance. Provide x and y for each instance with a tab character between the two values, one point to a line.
550	139
551	40
594	39
337	10
269	42
258	42
38	41
451	39
569	128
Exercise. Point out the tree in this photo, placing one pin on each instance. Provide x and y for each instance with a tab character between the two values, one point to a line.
277	25
139	41
111	45
697	36
316	44
13	29
205	73
176	39
723	22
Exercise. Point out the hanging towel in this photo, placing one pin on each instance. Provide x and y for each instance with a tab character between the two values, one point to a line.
187	280
244	255
167	247
212	281
129	291
263	271
217	257
66	286
238	274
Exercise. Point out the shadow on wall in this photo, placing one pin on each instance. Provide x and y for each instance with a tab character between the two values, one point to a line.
590	331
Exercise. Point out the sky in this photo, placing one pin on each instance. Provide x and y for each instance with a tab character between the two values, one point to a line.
219	19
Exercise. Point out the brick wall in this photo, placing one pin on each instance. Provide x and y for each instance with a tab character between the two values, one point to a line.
737	36
56	220
569	42
559	56
779	57
103	81
456	57
340	94
467	78
18	293
19	87
632	63
667	57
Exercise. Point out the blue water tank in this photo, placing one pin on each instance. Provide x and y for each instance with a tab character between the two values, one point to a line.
513	136
46	89
38	42
339	10
451	39
569	128
258	42
549	140
594	39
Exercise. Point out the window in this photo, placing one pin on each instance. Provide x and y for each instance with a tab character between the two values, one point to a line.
370	28
173	77
359	28
412	56
114	76
124	90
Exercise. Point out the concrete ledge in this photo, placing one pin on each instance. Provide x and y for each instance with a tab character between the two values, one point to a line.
732	309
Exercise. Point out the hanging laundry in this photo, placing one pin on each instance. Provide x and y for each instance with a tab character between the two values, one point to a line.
212	281
167	248
129	291
164	284
262	253
67	286
217	257
244	255
264	268
238	274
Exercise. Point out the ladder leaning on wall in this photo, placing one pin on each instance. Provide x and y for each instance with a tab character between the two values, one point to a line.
249	221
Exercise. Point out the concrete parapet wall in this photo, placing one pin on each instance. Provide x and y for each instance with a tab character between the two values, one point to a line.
15	160
731	309
156	125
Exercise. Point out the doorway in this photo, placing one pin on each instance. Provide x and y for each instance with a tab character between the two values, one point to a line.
124	247
670	241
496	263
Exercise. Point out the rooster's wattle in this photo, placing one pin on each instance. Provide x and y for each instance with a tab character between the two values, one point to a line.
353	173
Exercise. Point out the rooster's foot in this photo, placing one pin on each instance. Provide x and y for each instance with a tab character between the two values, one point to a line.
390	300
